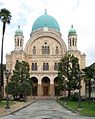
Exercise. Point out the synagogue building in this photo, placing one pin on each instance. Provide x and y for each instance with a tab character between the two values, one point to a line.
43	52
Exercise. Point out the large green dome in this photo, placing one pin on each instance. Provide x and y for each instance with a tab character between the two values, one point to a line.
46	21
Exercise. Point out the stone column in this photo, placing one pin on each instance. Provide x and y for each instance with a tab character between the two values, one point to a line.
39	90
51	88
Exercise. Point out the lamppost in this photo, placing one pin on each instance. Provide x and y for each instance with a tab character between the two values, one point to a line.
80	75
7	74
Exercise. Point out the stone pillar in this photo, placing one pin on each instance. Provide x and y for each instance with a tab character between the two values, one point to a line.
51	90
39	90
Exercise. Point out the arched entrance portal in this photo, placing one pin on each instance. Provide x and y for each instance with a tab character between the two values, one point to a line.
35	86
56	92
45	86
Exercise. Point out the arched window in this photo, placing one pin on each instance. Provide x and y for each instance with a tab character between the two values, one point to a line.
56	66
45	66
57	50
18	42
21	42
34	50
73	42
70	41
42	49
45	50
34	67
15	42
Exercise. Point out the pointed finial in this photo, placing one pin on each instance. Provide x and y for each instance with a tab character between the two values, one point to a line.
45	11
71	26
19	26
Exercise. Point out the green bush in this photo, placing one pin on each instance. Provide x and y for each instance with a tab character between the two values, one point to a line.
62	98
74	97
13	89
25	89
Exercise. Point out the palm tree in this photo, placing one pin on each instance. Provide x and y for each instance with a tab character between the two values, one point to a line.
5	17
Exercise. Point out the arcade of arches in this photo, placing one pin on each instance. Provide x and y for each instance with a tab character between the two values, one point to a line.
45	88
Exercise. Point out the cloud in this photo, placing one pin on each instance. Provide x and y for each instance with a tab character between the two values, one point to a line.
1	3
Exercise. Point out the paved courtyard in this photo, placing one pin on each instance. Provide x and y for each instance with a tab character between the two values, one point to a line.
45	109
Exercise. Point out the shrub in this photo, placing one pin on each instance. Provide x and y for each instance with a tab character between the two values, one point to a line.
74	97
13	89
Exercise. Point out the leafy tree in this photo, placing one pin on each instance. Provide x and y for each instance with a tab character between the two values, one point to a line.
68	73
21	77
25	91
13	89
5	17
21	72
61	79
89	74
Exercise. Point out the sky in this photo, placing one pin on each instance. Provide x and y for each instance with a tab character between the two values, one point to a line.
79	13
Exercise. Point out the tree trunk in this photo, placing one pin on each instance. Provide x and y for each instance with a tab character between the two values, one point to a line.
69	93
2	82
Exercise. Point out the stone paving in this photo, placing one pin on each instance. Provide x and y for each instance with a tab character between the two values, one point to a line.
45	109
14	107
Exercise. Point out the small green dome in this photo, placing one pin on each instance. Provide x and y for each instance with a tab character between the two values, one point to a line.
19	32
46	21
72	31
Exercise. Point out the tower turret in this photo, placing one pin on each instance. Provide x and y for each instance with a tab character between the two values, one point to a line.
18	39
72	39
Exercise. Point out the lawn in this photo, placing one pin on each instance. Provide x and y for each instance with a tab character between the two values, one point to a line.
86	108
3	103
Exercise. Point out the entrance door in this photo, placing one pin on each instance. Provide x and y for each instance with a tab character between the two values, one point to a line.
56	91
34	91
45	90
46	86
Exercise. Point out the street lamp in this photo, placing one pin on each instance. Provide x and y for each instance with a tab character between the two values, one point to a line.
80	75
7	74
